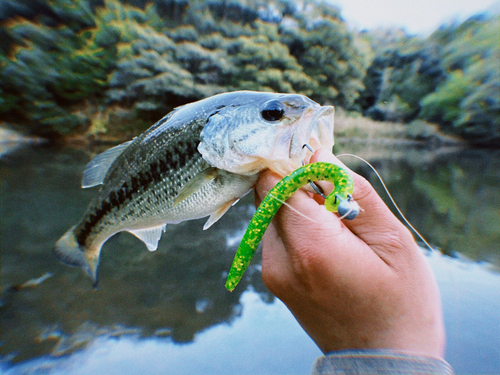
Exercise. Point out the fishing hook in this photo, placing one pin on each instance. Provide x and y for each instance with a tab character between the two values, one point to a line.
315	187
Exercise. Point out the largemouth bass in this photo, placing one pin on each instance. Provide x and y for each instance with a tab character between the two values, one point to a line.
197	161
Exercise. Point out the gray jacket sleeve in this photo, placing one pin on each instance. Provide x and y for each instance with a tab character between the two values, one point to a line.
379	361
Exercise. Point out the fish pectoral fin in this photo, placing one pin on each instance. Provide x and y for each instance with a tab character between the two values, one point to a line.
215	216
98	167
196	183
150	236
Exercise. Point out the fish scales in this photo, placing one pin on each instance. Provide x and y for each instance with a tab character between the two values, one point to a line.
146	189
195	162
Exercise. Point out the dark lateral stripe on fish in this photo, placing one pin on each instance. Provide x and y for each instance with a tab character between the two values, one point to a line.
174	159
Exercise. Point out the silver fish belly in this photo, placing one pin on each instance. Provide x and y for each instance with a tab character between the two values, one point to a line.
195	162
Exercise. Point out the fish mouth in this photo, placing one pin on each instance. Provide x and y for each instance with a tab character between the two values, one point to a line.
315	129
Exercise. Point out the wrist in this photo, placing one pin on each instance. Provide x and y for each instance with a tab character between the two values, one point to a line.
379	361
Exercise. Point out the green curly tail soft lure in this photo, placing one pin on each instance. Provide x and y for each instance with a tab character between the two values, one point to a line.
341	195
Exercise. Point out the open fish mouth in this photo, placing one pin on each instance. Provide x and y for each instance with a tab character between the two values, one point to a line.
316	132
314	128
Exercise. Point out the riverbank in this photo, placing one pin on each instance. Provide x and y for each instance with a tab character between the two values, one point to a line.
350	127
354	128
11	140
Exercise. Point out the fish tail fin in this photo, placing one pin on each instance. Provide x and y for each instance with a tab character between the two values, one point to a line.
68	251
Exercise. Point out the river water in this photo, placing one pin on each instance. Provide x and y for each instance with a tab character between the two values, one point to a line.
168	312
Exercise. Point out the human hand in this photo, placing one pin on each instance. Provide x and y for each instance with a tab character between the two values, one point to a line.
351	284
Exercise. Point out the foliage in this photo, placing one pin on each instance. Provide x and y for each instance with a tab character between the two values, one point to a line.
132	61
404	71
451	78
69	67
50	69
325	49
468	102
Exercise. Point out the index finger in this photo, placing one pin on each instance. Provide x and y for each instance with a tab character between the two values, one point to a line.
322	240
376	225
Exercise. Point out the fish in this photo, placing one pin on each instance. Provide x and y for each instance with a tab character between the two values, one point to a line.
195	162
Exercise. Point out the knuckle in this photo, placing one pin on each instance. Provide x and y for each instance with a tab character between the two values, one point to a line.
362	189
395	240
396	245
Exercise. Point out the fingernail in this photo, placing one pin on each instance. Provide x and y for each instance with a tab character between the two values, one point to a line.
327	156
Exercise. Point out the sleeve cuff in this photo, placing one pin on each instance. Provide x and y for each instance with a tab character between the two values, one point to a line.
379	361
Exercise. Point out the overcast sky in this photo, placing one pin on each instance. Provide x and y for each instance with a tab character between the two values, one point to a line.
416	16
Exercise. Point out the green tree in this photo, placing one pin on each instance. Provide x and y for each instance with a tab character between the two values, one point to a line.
32	78
325	49
100	65
468	101
51	74
266	65
405	69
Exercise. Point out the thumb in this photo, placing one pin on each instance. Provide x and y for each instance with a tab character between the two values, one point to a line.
264	184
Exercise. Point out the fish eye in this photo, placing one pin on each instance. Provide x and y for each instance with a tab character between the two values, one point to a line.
273	111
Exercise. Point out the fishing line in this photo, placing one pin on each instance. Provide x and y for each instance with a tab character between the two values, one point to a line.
450	276
391	198
294	209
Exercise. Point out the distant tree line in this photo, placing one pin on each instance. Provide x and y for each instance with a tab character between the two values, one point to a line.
114	67
451	78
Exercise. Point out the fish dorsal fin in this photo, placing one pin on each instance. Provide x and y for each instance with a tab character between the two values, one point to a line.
196	183
215	216
98	167
150	236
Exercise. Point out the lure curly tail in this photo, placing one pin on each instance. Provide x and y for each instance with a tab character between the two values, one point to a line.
339	200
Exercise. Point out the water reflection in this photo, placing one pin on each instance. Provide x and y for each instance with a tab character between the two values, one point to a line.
451	196
176	288
266	339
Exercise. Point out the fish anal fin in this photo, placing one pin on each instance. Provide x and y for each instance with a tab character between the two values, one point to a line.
150	236
215	216
98	167
196	183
